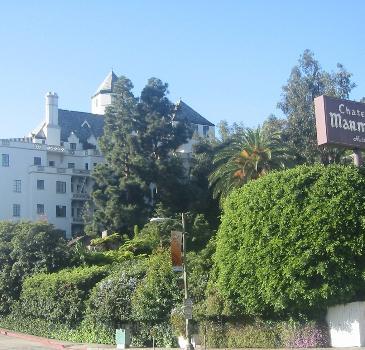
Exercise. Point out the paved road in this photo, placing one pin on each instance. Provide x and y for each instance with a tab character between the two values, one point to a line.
11	343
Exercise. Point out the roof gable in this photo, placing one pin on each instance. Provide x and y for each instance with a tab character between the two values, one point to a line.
183	112
81	123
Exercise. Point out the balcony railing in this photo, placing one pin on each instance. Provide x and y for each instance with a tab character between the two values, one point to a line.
80	171
77	219
81	196
57	170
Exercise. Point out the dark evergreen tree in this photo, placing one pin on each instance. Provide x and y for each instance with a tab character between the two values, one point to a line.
141	169
119	192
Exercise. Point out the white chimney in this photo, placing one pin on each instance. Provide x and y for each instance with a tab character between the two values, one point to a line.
51	108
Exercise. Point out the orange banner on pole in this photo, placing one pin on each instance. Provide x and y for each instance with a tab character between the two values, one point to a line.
176	248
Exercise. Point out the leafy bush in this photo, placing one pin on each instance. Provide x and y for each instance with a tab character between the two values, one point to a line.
106	243
257	335
304	335
156	294
86	332
109	304
143	334
27	248
59	297
293	242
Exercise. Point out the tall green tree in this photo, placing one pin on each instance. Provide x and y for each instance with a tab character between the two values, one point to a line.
307	81
119	190
141	169
248	156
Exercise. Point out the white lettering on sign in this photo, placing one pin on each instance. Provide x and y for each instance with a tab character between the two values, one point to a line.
348	111
337	121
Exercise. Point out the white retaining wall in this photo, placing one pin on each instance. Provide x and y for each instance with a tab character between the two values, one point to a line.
347	324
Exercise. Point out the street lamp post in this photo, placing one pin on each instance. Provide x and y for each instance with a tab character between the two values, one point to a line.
189	346
187	300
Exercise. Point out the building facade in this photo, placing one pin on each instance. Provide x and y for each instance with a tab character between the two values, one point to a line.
47	175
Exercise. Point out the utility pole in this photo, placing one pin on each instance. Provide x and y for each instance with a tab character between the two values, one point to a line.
189	346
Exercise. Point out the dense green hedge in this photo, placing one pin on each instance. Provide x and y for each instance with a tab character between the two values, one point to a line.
109	304
27	248
264	334
293	242
59	297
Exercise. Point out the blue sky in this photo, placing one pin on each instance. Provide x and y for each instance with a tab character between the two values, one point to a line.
227	59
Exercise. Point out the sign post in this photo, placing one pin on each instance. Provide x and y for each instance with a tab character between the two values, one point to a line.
341	123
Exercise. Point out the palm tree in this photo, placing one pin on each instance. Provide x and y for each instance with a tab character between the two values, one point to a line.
249	155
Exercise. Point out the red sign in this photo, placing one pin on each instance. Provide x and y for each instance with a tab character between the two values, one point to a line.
340	122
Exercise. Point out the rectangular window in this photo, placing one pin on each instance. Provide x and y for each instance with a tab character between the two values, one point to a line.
5	159
40	184
51	163
205	130
16	210
95	164
60	211
37	161
40	209
17	186
195	128
73	146
86	166
60	187
71	165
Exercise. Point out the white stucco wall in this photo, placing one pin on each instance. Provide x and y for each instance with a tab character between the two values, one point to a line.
347	324
21	167
188	147
99	103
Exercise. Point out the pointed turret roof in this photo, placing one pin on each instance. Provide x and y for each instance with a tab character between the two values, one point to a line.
107	85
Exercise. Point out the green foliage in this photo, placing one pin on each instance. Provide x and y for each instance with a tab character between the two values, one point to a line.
108	242
199	233
201	165
134	160
199	266
109	305
307	81
157	293
247	156
86	332
293	242
27	248
264	334
59	297
143	334
257	335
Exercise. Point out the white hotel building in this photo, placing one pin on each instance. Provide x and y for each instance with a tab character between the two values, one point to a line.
46	175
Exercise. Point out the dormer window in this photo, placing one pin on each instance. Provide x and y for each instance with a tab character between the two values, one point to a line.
85	123
72	146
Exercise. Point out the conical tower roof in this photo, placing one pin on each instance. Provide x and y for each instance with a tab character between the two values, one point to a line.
107	84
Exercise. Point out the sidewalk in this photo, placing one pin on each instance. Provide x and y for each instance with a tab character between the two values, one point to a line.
55	344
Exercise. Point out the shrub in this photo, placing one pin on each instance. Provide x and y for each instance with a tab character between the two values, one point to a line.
156	294
293	242
27	248
257	335
304	335
59	297
86	332
109	304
